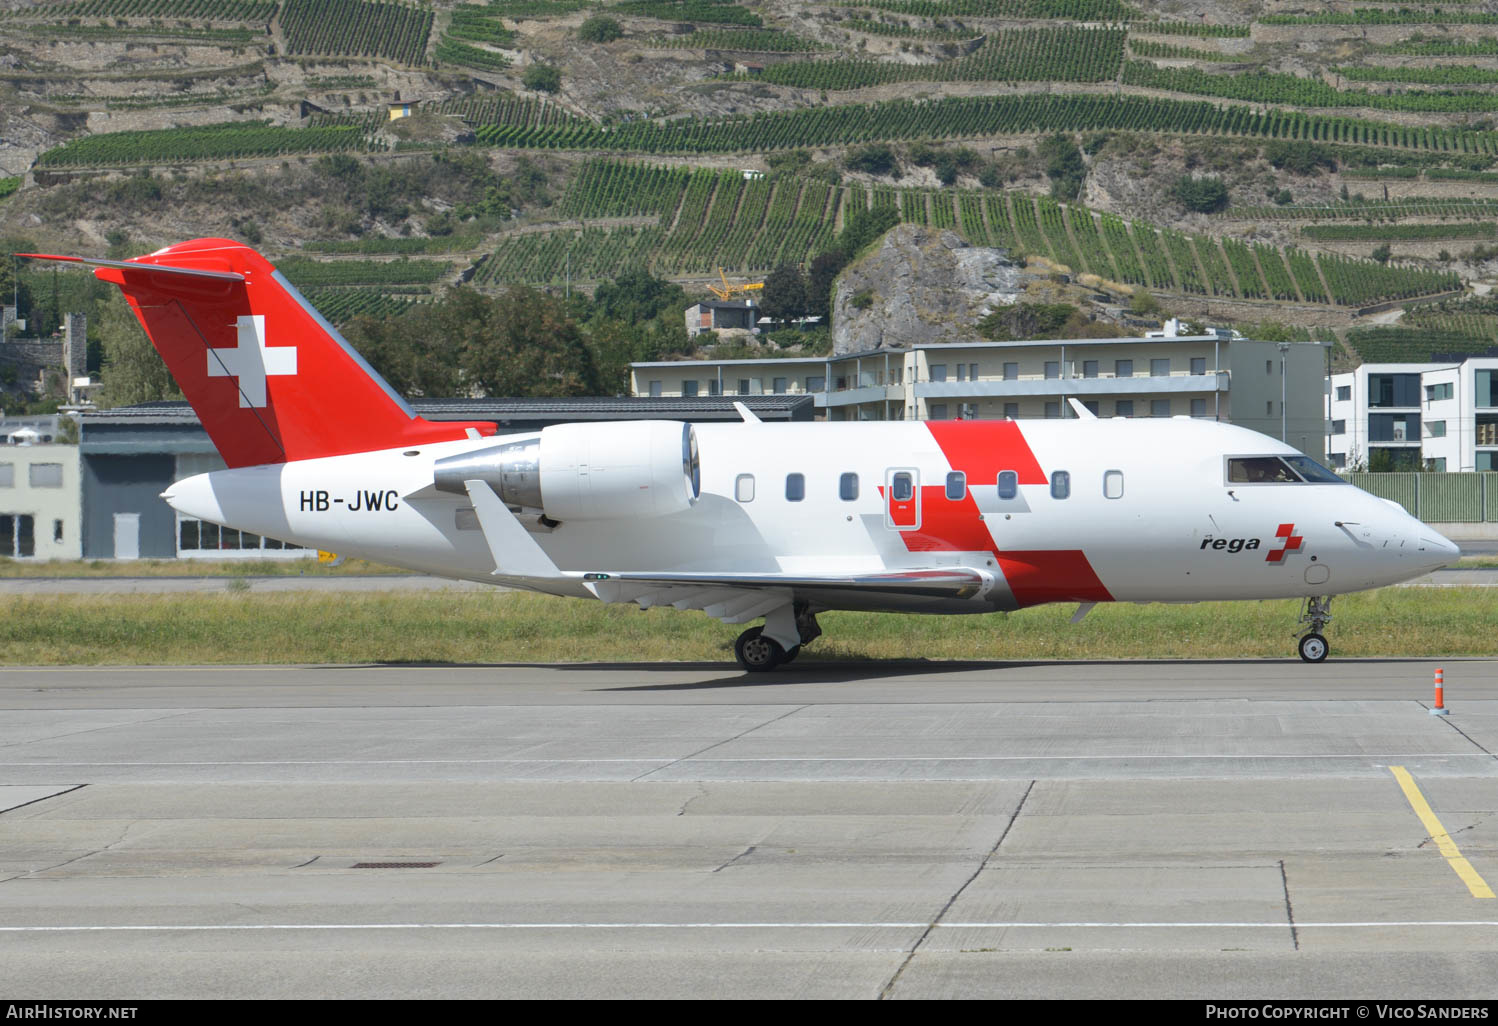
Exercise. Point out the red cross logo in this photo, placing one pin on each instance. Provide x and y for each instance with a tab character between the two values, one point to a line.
1292	543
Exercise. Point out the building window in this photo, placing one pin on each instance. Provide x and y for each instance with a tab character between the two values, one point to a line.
1160	368
1487	389
1089	368
956	486
714	387
1344	393
1008	484
795	487
962	372
1123	368
1053	368
1060	484
1011	411
655	390
45	475
1053	411
1394	427
1485	461
16	535
1159	407
743	488
972	372
1091	405
1198	365
780	385
7	475
816	383
1435	428
1268	407
57	532
938	411
1339	427
689	389
1198	407
1011	372
1394	389
1339	460
1123	408
1437	463
1113	484
743	386
1435	393
847	487
938	372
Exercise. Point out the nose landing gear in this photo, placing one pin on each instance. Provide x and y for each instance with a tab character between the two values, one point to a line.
1314	616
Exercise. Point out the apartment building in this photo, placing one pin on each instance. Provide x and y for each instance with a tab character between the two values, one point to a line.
1274	388
1441	415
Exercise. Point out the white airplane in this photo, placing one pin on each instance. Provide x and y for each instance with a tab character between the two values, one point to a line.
749	520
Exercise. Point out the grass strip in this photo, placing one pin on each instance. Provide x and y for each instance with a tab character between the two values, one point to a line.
242	627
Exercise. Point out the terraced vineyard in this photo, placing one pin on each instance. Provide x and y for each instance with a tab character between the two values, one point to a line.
235	139
693	221
357	28
1024	55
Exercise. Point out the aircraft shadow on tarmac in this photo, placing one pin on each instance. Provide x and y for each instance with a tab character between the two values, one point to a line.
839	672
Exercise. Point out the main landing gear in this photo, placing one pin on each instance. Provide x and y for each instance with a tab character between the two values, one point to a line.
758	652
1314	616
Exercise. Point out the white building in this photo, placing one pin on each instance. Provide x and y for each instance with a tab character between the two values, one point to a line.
1255	384
1411	416
39	502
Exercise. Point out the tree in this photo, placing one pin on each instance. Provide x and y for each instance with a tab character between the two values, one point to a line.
599	29
543	78
1203	195
132	372
876	159
784	296
637	295
1064	166
1381	253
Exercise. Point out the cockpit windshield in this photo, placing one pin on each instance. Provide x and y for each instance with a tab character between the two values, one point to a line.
1278	470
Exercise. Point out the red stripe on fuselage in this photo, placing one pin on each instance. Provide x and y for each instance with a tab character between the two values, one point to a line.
980	449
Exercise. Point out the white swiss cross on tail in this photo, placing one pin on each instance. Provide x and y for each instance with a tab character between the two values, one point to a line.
251	362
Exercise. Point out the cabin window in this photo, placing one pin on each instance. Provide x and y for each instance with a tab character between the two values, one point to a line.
847	487
795	487
743	488
1113	484
902	487
956	486
1061	484
1008	484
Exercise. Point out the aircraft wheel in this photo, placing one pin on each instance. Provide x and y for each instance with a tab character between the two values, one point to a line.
756	653
790	657
1313	648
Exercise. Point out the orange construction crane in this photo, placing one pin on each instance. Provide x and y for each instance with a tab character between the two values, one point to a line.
729	291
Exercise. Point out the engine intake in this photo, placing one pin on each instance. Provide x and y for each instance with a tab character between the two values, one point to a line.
637	468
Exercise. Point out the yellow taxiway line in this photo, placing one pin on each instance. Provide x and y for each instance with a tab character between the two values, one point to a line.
1475	883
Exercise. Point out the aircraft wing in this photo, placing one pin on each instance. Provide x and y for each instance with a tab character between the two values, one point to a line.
737	598
730	597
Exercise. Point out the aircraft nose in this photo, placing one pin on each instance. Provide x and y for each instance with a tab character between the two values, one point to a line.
1435	548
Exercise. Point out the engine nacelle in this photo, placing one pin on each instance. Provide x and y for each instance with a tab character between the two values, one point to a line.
636	468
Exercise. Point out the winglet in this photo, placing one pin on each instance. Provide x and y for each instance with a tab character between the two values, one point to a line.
515	552
1082	412
747	414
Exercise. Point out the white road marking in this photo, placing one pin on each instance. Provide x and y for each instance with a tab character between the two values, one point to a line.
1014	925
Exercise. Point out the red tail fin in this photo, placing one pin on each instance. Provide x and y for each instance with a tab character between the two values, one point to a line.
270	379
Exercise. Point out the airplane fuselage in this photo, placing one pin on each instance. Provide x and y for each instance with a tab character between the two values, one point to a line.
1062	510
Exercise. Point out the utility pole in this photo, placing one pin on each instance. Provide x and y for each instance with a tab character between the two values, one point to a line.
1284	416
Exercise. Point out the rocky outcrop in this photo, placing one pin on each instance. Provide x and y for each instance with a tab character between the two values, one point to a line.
920	285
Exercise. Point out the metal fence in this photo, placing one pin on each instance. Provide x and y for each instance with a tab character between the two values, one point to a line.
1437	498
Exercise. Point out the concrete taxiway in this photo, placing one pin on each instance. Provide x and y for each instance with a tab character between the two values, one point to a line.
1151	829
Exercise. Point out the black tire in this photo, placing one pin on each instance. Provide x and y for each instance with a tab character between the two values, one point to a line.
790	657
756	653
1313	648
